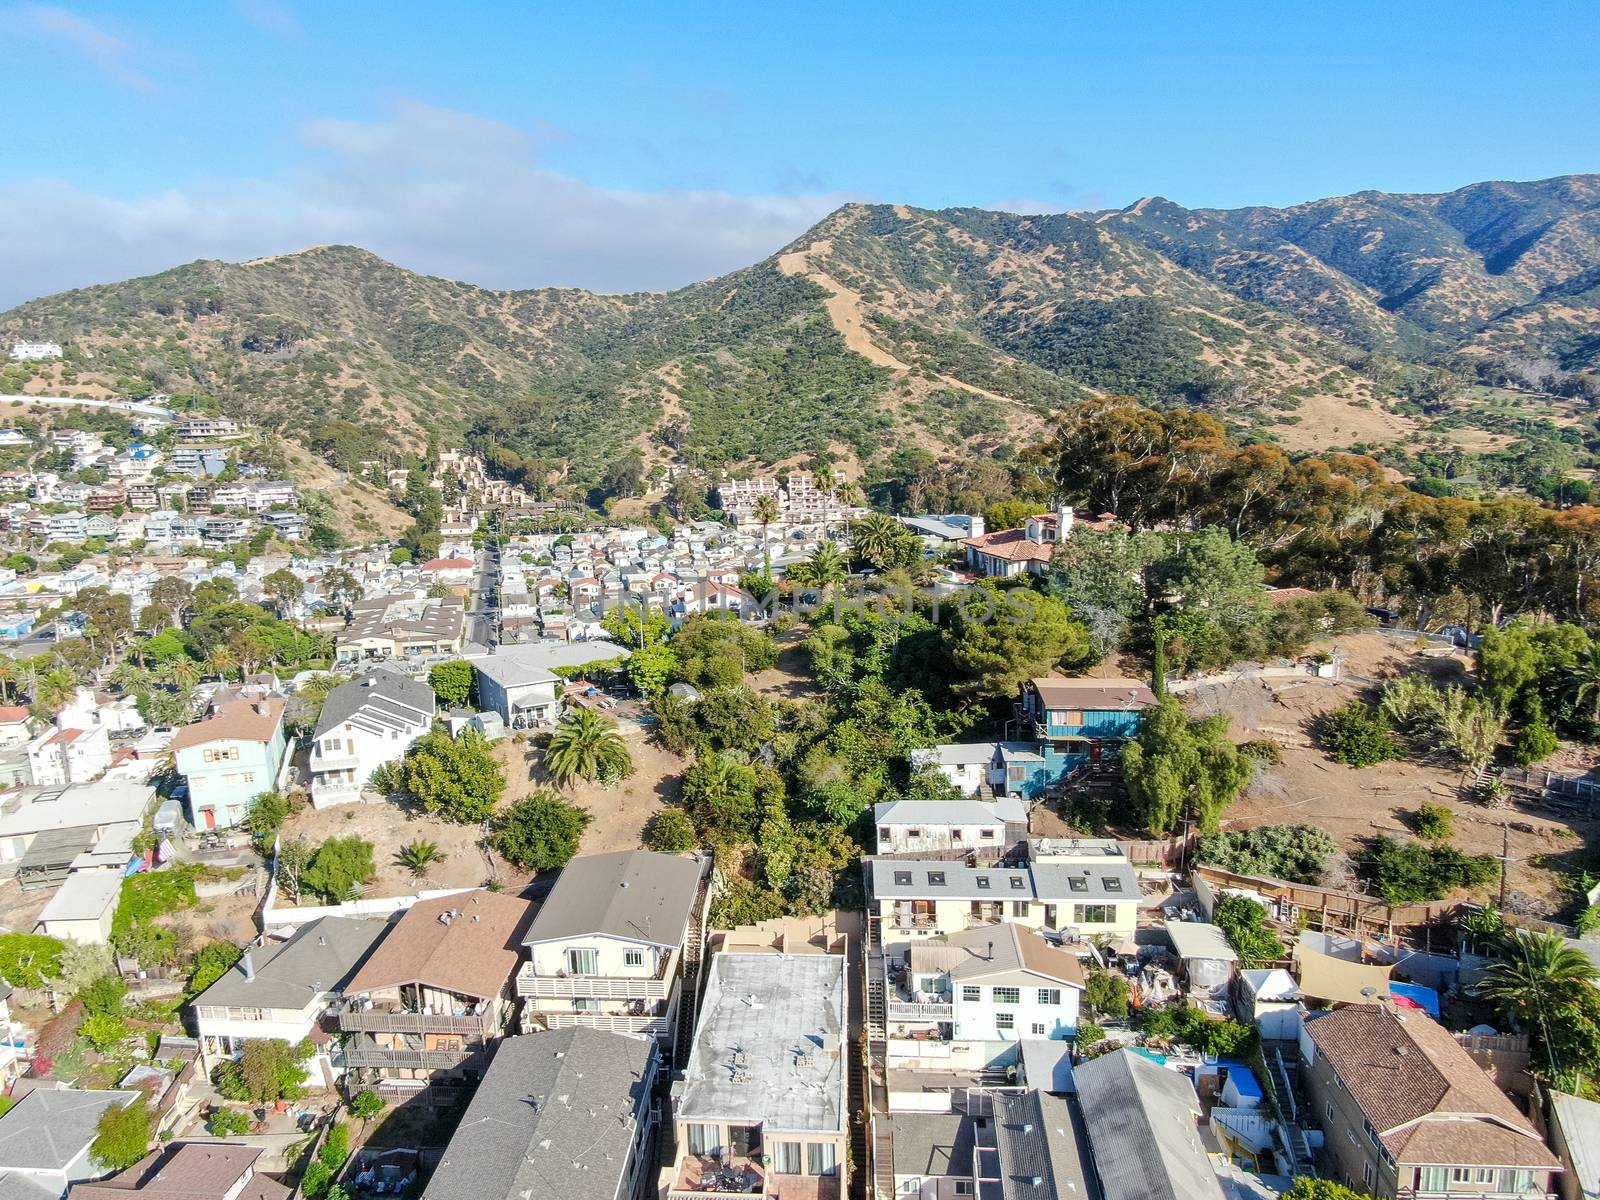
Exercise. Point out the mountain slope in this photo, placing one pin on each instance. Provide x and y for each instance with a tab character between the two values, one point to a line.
885	327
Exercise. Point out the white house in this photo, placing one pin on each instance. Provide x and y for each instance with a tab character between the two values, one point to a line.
82	908
966	765
34	351
45	1139
910	826
61	756
521	681
14	725
365	724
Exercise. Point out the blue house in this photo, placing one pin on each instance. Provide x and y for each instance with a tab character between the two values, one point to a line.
1066	724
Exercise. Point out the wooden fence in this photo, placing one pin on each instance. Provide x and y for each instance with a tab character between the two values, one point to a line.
1333	911
1169	853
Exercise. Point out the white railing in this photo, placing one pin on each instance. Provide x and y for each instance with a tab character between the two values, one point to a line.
903	1011
588	987
653	1026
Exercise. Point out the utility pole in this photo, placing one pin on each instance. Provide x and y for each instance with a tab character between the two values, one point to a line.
1505	860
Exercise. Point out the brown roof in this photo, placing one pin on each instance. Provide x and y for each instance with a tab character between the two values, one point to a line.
1285	594
235	720
1406	1069
1012	545
472	953
187	1171
1104	694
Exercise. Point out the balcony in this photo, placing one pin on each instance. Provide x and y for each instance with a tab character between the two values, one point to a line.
377	1020
913	1012
362	1051
594	987
339	760
656	1027
698	1178
907	920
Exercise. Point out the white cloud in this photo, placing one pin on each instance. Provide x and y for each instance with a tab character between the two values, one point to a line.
433	189
107	53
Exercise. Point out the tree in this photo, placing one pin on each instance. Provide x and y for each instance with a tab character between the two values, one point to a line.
338	869
587	745
637	626
1535	742
998	639
1008	514
284	588
293	858
211	962
1177	766
651	669
1211	572
540	833
1307	1188
103	1030
1244	923
451	683
266	816
366	1104
671	832
1106	993
83	963
228	1122
1535	974
266	1070
30	960
122	1135
417	857
340	586
824	570
457	778
1411	872
1358	736
766	511
880	540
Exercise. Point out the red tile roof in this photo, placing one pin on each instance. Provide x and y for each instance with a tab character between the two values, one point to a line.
10	714
446	564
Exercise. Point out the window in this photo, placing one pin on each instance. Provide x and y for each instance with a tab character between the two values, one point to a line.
883	833
1019	908
1078	884
1005	1020
1050	996
1018	883
1371	1132
786	1158
216	756
1327	1110
704	1141
1369	1173
633	957
583	962
1432	1179
1460	1174
986	834
913	833
819	1158
1038	1029
581	1004
1483	1175
971	993
1111	883
902	878
1516	1180
1093	914
1072	717
983	883
935	878
963	1187
1007	995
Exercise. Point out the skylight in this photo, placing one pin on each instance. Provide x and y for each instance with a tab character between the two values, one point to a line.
935	878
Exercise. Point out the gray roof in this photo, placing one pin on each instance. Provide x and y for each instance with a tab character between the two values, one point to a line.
956	754
637	895
552	1119
1197	939
937	812
83	896
533	662
50	1127
933	1144
15	1186
1042	1137
1579	1122
381	700
320	957
770	1043
921	880
1047	1064
1142	1127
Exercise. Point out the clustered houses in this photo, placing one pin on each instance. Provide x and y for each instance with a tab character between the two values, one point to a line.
365	724
404	626
800	502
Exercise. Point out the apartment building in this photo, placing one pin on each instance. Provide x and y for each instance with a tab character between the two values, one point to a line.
401	626
364	725
762	1105
606	950
279	989
433	998
566	1111
62	756
1405	1111
207	427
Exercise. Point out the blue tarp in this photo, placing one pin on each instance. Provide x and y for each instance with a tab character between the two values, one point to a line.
1424	998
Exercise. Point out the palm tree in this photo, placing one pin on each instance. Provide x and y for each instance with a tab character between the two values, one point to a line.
873	538
824	478
221	662
587	745
1535	973
766	513
54	689
183	673
418	856
9	673
1582	681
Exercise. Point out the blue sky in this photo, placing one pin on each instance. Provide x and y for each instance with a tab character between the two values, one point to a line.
646	145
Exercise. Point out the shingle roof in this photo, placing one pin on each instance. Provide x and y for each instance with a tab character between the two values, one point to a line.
472	953
638	895
49	1127
1141	1122
388	698
234	720
552	1119
1000	949
1042	1137
1402	1069
319	958
932	1144
187	1171
1100	695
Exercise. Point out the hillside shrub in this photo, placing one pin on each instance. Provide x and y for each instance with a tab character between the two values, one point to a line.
1435	822
1357	736
1413	873
1295	853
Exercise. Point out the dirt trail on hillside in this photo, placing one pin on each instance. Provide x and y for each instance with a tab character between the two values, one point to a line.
844	310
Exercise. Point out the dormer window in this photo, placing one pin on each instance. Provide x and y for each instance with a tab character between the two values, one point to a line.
983	883
1018	883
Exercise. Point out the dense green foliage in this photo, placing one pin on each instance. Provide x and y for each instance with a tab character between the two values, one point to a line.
587	745
30	960
1404	872
1179	767
266	1070
1358	735
451	683
122	1136
539	833
339	868
1244	922
1295	853
456	778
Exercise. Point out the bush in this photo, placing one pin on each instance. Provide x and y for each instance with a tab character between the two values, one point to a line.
266	1070
1295	853
105	995
671	832
228	1122
211	963
103	1030
336	1147
1089	1033
1244	922
338	868
1435	822
1177	1022
1535	743
540	833
30	960
266	816
1414	873
1262	750
1357	736
122	1136
1107	994
316	1181
457	778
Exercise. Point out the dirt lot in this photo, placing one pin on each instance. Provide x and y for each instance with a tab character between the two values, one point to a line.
791	678
1355	804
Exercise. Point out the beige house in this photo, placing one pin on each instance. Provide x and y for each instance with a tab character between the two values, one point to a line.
762	1106
606	950
432	999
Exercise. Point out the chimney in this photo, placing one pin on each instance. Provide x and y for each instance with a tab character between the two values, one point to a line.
261	708
1063	522
248	966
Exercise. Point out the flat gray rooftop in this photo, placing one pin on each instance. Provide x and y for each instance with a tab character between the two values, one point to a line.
769	1046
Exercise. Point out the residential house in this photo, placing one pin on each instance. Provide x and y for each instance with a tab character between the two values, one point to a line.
1077	887
1405	1111
61	756
364	725
401	626
977	994
561	1115
207	427
34	351
190	1171
763	1098
14	1038
1209	963
238	751
15	725
1074	723
82	908
451	572
46	833
280	988
1003	1145
69	526
429	1004
1141	1121
1575	1137
606	949
520	682
965	765
989	829
45	1140
1007	553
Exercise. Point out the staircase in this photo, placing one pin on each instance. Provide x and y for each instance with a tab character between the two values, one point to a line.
1283	1086
873	1069
693	955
